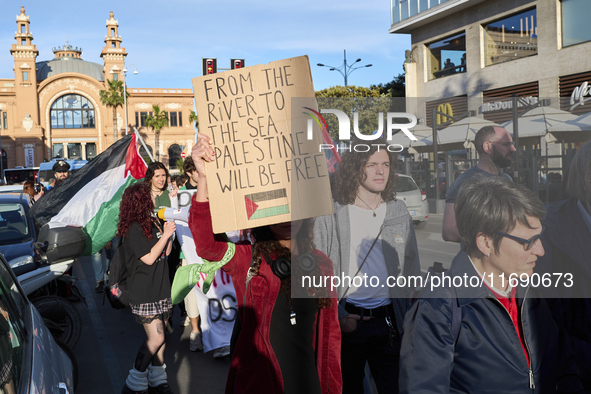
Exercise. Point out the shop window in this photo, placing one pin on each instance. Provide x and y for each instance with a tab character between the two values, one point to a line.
174	154
90	150
448	56
511	38
58	150
74	151
575	21
173	119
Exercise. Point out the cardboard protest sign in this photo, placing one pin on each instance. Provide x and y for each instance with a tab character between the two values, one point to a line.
266	169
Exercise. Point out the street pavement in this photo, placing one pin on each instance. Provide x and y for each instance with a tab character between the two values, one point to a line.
110	338
432	247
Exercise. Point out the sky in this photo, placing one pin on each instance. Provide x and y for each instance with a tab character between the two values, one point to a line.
166	40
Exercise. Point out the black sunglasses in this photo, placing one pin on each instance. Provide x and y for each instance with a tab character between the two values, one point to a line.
527	243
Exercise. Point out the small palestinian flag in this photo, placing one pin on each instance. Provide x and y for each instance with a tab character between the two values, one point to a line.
90	197
266	204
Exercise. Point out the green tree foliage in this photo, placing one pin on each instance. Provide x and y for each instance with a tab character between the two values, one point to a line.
395	88
113	97
194	118
367	102
179	164
157	121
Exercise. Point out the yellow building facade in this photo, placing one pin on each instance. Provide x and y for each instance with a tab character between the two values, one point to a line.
52	108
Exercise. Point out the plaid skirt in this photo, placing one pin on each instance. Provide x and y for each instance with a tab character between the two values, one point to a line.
148	312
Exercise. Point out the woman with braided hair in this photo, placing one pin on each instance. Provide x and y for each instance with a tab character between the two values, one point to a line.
286	344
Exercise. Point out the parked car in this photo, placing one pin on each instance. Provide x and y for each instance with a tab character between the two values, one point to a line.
11	189
30	359
414	198
17	230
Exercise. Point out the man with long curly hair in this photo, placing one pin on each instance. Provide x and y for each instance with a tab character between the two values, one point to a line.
369	235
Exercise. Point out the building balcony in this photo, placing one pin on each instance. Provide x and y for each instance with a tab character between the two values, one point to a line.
409	14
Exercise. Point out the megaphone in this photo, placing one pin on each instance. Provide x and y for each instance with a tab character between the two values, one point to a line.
174	214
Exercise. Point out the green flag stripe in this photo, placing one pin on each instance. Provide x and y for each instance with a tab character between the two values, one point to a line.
103	226
272	211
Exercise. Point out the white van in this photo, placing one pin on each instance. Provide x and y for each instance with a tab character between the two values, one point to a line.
46	168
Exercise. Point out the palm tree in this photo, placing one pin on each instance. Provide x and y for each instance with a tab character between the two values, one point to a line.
194	118
157	121
113	97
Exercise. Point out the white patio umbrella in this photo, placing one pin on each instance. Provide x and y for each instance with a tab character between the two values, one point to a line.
423	143
575	130
460	134
536	123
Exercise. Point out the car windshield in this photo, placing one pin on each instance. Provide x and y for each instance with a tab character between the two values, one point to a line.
406	184
14	227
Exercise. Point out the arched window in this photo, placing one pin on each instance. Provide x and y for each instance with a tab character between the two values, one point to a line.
174	154
145	155
72	111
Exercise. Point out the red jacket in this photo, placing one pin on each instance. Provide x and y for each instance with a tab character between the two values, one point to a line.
254	367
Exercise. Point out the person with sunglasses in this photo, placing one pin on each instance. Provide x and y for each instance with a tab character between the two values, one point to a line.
480	331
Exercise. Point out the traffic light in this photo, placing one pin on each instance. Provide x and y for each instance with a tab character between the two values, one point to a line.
236	63
209	66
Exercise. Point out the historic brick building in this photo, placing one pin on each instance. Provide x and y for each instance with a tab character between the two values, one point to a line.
52	108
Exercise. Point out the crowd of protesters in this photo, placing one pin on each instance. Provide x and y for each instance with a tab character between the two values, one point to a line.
504	335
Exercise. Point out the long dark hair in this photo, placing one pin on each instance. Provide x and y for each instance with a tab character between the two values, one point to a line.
351	174
156	165
136	206
267	245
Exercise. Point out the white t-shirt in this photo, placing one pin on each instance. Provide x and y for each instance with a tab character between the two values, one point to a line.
364	229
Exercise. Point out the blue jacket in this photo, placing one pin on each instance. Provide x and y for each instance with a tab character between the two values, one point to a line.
488	356
567	243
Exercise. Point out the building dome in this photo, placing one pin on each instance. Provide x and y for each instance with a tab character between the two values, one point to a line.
49	68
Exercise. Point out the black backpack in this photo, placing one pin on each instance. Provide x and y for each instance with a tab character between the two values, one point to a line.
121	272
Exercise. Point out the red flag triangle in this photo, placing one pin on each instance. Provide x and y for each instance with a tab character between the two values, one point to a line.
251	207
134	163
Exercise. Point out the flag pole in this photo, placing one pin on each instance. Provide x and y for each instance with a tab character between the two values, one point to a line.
139	137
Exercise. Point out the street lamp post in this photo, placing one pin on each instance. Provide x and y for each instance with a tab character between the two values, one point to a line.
124	72
345	70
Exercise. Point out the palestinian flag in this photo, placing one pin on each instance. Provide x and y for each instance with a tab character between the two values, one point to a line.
90	197
333	158
265	204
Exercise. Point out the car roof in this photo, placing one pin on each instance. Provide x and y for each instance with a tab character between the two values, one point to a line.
13	198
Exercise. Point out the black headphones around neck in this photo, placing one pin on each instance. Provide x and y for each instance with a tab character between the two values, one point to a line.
281	267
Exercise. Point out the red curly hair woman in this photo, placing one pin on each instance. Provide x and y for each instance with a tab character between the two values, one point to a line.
149	242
